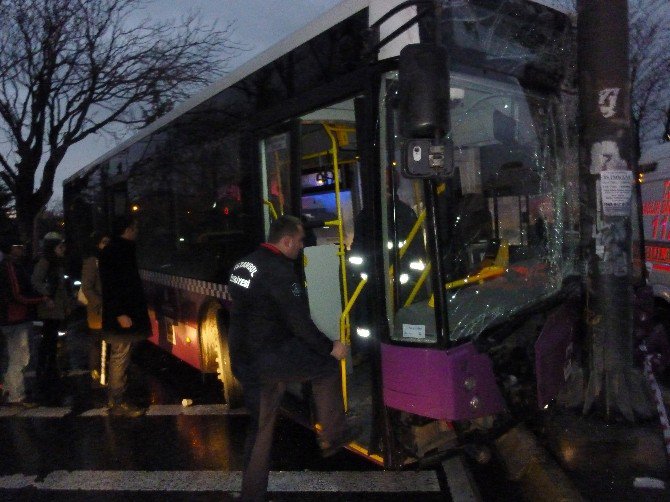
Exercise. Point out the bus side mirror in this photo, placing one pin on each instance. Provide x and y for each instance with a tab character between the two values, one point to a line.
423	76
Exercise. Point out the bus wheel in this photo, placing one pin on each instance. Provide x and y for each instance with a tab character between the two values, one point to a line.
232	389
214	349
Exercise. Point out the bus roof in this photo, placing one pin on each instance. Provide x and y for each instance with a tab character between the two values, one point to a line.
337	14
340	12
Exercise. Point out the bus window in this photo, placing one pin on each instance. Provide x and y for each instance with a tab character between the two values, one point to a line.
276	167
410	283
192	208
501	241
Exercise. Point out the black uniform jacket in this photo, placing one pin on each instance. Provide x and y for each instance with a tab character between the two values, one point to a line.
269	319
122	292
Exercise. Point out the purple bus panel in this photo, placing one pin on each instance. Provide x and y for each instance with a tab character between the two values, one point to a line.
553	352
453	384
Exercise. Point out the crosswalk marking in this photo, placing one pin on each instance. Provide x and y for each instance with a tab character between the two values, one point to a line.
39	412
194	481
68	373
197	409
153	410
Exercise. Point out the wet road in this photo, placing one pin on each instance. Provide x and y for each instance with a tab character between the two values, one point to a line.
69	449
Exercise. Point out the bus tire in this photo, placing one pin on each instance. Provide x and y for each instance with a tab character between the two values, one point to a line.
214	351
232	389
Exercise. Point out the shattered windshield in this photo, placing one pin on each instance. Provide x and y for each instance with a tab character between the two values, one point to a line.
503	237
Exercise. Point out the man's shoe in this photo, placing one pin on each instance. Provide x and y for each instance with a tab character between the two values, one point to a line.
330	448
126	410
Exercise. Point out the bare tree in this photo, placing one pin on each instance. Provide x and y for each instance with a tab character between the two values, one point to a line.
6	210
69	68
649	60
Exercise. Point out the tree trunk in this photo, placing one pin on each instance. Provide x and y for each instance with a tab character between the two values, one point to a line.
25	217
614	386
28	206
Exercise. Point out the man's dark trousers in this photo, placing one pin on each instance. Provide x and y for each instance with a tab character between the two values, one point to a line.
119	359
262	399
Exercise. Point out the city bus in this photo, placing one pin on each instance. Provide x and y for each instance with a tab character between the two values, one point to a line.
426	147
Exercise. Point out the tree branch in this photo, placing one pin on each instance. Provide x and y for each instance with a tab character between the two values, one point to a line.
70	68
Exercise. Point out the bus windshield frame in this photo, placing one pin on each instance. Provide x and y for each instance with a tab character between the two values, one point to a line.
504	218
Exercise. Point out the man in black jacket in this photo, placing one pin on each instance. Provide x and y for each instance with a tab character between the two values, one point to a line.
125	318
273	341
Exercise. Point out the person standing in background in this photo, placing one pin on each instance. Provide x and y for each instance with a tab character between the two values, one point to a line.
125	316
49	279
16	314
91	287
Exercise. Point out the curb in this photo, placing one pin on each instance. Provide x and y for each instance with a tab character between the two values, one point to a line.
532	467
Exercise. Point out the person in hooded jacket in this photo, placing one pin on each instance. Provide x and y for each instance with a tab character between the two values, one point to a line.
17	302
49	279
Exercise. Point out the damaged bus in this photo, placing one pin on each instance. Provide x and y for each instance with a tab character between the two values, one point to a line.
424	145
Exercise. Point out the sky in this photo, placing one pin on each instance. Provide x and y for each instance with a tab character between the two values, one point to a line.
258	25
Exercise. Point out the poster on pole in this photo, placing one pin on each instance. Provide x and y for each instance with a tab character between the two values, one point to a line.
616	192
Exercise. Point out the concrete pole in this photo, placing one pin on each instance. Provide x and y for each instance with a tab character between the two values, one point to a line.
614	387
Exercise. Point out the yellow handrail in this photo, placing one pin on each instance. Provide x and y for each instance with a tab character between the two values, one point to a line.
338	135
273	213
345	336
479	277
344	318
410	238
498	268
338	205
415	229
417	286
412	234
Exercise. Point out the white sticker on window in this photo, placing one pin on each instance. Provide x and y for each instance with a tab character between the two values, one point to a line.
414	331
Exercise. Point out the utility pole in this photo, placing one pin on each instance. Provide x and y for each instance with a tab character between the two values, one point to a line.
614	387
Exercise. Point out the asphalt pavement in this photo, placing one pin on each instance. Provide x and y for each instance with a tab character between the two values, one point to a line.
70	449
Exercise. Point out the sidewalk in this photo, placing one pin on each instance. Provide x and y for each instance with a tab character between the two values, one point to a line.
604	460
569	456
